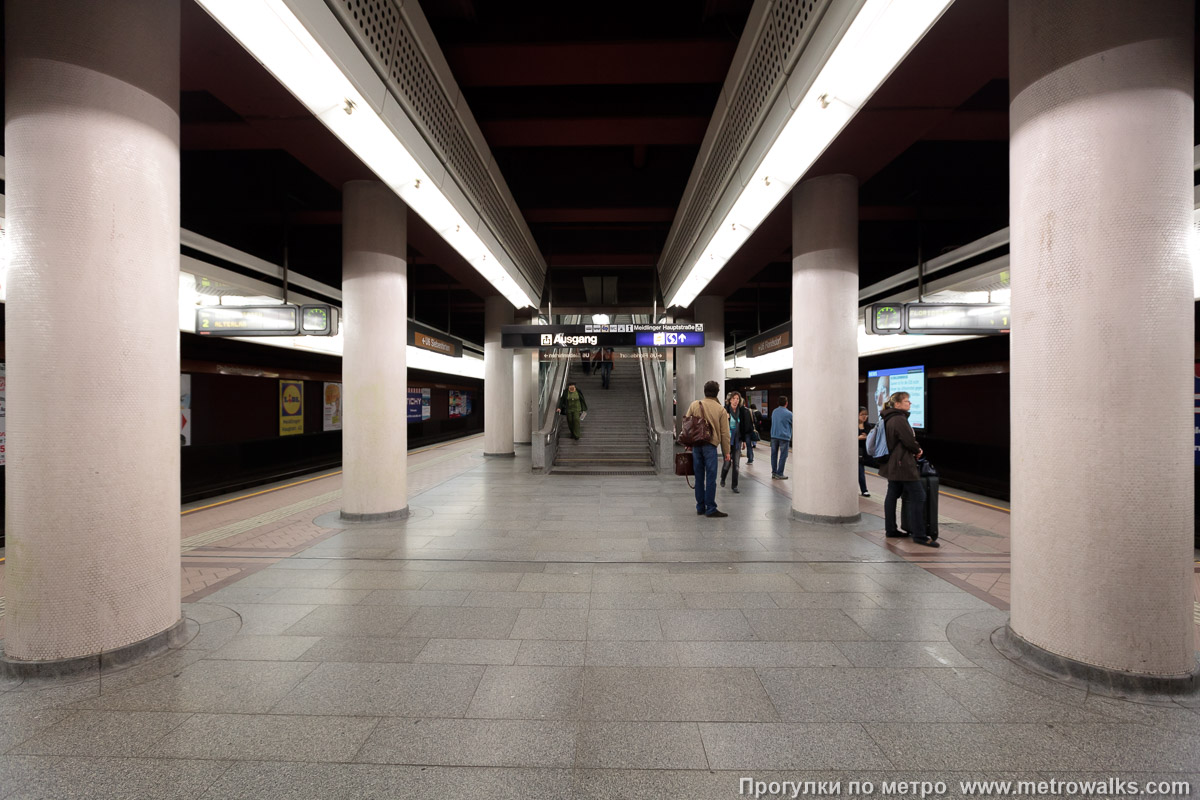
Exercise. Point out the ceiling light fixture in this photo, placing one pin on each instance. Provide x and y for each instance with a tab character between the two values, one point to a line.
881	35
271	32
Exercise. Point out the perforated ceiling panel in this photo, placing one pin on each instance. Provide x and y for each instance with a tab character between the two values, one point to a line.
779	42
385	38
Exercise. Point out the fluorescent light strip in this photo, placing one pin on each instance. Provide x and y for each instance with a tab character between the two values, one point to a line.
880	37
270	32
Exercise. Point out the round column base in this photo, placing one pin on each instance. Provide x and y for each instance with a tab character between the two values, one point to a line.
1101	680
383	516
499	455
91	666
825	519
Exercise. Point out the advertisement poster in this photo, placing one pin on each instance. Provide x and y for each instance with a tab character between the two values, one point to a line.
418	405
426	403
291	408
460	403
1196	443
882	383
332	418
185	409
3	382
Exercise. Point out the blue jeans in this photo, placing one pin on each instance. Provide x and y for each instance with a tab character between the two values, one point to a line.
914	507
862	476
704	461
605	369
779	454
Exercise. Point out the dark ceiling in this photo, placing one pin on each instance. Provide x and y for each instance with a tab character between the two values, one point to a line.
595	114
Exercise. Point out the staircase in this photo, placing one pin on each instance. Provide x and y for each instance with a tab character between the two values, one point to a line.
614	434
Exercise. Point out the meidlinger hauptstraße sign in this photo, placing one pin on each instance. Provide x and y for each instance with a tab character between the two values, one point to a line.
613	335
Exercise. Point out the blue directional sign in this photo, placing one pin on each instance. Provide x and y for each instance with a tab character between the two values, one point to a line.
670	339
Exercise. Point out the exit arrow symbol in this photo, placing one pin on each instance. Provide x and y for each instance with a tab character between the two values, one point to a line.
682	338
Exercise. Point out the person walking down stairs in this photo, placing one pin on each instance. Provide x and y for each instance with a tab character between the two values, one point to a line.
574	406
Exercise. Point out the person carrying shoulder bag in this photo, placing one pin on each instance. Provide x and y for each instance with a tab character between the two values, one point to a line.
902	473
704	452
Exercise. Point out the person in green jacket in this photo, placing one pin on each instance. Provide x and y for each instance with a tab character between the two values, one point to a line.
574	406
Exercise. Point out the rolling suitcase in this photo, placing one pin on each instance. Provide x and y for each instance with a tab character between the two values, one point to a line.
929	482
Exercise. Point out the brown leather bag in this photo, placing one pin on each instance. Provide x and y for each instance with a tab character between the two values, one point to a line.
696	430
683	463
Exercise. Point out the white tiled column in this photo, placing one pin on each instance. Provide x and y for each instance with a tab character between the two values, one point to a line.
497	380
92	161
686	389
825	349
710	359
374	364
522	396
1102	344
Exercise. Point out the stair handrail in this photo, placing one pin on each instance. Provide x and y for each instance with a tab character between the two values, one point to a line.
660	438
545	438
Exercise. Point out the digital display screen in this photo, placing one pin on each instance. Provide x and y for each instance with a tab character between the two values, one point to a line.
248	321
882	383
670	339
958	318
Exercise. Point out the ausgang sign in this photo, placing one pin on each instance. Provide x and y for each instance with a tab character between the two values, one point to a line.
615	335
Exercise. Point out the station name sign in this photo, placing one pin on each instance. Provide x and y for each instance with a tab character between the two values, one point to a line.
435	341
948	319
614	335
777	338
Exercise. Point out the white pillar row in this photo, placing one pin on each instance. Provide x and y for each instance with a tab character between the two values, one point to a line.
92	161
825	349
686	389
1100	181
522	396
497	380
710	359
374	360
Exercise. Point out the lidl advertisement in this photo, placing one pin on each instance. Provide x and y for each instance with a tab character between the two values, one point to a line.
291	408
882	383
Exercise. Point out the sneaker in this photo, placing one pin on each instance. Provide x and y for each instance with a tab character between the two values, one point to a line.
774	477
716	514
896	534
783	477
925	540
866	494
736	490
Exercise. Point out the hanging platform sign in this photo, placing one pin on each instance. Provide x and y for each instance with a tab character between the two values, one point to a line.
277	320
777	338
946	319
436	341
615	335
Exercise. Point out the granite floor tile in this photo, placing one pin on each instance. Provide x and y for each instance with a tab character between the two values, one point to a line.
903	655
19	726
204	612
916	582
675	695
562	600
237	593
838	582
791	747
638	601
374	579
555	583
555	623
114	734
725	583
216	634
809	625
976	746
261	619
859	695
19	773
265	648
469	651
413	690
461	623
547	653
603	625
279	579
702	601
297	781
365	649
475	581
823	600
759	654
121	778
254	737
641	745
992	699
1121	747
245	687
410	597
504	600
528	693
706	626
621	584
658	784
352	621
631	654
928	600
472	743
902	625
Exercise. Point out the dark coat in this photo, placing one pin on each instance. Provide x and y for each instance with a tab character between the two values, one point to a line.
901	464
745	422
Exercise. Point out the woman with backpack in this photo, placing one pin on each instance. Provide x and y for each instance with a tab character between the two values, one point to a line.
900	469
864	428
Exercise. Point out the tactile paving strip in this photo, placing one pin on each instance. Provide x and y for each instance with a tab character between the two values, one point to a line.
243	525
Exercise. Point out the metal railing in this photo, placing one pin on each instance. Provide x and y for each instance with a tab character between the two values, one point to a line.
660	436
545	439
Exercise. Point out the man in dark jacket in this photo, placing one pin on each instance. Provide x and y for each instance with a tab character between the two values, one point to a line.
900	469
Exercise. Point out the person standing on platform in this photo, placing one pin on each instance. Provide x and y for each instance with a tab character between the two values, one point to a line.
574	406
900	469
704	454
756	424
781	438
740	427
864	428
